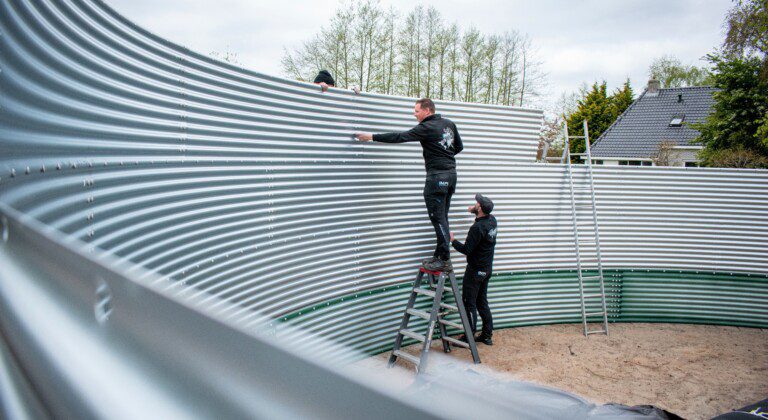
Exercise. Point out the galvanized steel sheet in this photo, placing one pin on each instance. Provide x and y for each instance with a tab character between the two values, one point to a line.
247	191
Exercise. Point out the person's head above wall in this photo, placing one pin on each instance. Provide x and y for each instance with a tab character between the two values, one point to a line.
324	79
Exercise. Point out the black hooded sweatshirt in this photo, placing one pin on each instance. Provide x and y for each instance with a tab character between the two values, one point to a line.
439	139
480	244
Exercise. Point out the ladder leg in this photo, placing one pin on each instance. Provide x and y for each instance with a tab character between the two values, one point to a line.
591	180
443	334
431	323
583	303
464	319
605	305
404	322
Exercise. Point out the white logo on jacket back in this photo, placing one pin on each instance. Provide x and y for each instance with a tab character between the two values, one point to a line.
447	141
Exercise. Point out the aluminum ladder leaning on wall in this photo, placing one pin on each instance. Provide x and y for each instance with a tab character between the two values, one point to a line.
586	234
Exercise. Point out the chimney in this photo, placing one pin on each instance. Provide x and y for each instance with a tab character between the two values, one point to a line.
653	87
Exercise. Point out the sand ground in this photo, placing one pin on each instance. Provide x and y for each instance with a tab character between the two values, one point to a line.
695	371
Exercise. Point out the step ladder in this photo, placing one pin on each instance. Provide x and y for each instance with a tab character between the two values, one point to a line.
434	288
586	235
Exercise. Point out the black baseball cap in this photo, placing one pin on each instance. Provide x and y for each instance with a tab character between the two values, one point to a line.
485	203
325	76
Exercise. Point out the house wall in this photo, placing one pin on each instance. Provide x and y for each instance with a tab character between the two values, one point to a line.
687	155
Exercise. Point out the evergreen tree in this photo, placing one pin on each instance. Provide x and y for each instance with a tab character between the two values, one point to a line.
599	110
621	100
739	121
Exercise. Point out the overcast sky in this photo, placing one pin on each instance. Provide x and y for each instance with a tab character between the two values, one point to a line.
577	41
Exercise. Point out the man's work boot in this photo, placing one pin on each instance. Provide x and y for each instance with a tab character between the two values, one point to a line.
426	261
485	339
439	265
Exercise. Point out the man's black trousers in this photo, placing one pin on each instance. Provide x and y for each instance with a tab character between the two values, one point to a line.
474	293
438	190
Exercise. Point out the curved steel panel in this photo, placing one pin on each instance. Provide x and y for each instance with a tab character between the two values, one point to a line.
244	186
246	191
245	194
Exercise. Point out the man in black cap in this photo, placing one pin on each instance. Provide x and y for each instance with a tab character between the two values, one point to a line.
440	142
479	247
325	80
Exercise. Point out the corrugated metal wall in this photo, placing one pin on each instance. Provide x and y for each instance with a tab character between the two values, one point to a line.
249	188
367	320
239	184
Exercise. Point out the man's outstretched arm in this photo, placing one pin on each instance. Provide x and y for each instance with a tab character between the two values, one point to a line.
414	134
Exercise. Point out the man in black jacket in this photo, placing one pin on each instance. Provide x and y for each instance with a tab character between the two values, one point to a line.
440	142
479	247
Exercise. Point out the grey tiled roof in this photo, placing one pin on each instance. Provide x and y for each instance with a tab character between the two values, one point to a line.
645	124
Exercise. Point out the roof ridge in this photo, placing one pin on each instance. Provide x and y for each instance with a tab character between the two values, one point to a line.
688	87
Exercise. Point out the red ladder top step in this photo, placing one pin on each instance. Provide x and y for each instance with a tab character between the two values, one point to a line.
434	273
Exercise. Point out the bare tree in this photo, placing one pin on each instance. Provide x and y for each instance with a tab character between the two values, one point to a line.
491	52
433	23
418	55
666	154
227	55
508	67
442	43
472	50
532	77
388	40
453	36
365	34
551	137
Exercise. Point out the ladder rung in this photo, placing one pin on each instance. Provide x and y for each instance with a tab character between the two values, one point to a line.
601	313
425	292
409	357
592	296
419	313
597	332
456	342
413	335
591	277
451	324
449	306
